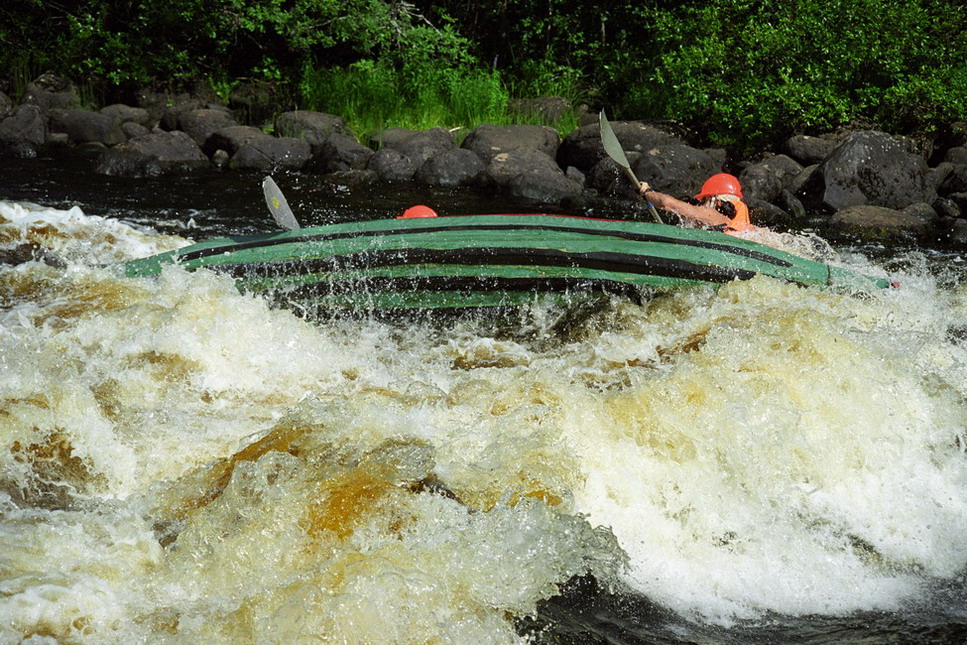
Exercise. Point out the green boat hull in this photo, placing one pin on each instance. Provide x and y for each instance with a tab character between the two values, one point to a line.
486	260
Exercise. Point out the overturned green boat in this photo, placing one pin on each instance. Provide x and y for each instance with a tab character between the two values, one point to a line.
486	260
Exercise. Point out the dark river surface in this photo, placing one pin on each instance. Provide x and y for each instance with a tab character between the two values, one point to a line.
758	464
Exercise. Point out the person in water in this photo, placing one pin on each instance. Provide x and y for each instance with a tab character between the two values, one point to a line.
718	206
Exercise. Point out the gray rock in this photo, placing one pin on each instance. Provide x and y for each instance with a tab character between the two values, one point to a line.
955	181
763	213
392	165
506	166
543	187
50	92
960	199
871	222
170	117
340	152
83	126
809	181
203	123
872	167
487	141
782	166
419	146
158	153
946	207
956	155
134	130
675	169
810	150
937	176
582	148
127	114
789	203
314	127
760	182
451	168
270	154
231	138
958	232
23	133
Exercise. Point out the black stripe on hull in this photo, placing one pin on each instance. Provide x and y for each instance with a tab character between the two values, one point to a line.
602	261
626	235
462	284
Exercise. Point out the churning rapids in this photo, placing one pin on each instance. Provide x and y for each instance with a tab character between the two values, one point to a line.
181	463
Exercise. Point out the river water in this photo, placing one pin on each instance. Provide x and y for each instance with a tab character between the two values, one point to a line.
181	463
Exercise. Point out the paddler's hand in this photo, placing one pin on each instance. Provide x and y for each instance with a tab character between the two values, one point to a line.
644	188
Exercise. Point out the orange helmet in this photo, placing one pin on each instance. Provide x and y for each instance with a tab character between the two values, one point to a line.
417	211
720	184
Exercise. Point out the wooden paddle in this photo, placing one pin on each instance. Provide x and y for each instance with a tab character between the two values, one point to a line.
614	150
278	206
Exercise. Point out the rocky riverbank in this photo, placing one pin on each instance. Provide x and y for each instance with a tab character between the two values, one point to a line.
863	182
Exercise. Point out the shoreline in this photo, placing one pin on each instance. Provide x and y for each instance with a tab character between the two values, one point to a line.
864	184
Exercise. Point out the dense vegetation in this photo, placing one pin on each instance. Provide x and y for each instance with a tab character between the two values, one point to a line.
744	72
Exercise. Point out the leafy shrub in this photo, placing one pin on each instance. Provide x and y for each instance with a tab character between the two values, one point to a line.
748	73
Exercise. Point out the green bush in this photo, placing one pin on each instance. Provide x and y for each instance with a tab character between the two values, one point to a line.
745	72
748	73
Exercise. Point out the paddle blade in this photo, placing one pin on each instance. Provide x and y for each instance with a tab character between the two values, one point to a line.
612	146
278	206
613	149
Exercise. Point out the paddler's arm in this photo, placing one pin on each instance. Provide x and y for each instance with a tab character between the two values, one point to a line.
694	212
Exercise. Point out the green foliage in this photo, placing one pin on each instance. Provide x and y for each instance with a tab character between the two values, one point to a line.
745	72
755	72
371	96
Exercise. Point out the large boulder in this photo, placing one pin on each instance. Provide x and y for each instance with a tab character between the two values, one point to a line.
419	145
506	166
450	168
782	166
531	174
582	147
158	153
808	150
676	169
23	133
392	165
340	152
202	123
543	187
956	155
50	92
878	223
83	126
232	138
760	182
170	114
609	179
127	114
875	168
487	141
314	127
270	154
